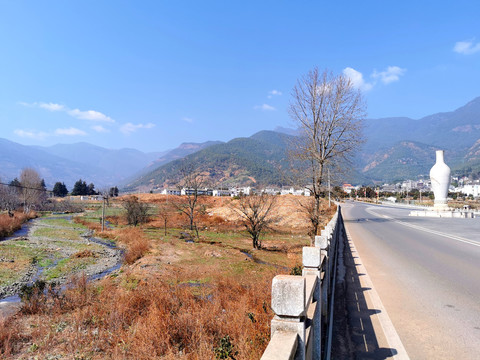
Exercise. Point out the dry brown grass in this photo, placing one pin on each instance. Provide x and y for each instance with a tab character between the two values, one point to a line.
135	241
150	320
132	238
8	224
219	212
91	225
84	254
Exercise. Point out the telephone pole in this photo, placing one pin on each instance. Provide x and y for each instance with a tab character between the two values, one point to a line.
329	200
103	212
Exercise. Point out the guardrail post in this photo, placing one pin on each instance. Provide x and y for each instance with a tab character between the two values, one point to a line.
312	263
327	235
288	304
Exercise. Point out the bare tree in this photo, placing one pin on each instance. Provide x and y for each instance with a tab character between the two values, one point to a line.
9	200
192	183
164	212
329	112
256	213
32	191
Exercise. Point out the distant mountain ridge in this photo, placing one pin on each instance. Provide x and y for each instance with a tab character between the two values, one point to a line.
457	129
14	157
111	165
456	132
259	159
70	162
396	148
178	153
181	151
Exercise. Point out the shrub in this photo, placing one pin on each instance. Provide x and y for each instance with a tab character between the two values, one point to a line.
296	270
10	224
136	242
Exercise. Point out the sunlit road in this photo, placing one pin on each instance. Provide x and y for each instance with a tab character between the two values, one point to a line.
427	274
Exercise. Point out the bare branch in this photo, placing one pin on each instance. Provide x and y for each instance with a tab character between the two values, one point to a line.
329	112
256	213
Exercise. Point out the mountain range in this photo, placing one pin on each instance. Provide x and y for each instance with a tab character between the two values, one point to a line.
395	149
259	159
399	148
70	162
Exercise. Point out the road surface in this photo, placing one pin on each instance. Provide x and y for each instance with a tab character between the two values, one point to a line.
426	272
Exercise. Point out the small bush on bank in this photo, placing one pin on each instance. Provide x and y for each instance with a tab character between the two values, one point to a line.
10	224
136	243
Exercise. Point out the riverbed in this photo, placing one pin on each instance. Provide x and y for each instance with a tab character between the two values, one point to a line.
53	249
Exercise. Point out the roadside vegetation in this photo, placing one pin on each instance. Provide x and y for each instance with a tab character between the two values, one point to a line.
179	294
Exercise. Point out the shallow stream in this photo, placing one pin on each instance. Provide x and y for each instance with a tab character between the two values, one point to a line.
24	232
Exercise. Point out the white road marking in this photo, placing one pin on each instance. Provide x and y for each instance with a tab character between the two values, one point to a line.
453	237
365	342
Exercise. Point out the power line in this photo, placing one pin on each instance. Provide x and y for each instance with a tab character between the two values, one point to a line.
27	187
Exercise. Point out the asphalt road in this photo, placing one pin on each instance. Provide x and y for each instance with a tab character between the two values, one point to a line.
426	272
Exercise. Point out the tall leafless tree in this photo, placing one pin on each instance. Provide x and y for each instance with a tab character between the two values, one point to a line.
257	216
32	191
192	182
329	112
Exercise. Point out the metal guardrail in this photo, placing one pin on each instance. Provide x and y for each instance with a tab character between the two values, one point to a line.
303	305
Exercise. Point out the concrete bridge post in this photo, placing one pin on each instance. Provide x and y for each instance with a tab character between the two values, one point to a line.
312	265
288	304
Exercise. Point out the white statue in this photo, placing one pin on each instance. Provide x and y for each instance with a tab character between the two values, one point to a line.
440	177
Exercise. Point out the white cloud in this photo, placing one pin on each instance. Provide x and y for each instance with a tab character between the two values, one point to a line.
23	103
100	129
129	128
70	132
39	135
265	107
187	119
391	74
356	77
273	93
76	113
90	115
42	105
51	106
466	47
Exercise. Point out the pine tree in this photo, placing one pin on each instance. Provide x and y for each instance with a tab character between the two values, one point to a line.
91	189
80	188
60	189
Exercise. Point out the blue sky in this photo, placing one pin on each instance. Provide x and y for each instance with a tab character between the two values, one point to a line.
152	74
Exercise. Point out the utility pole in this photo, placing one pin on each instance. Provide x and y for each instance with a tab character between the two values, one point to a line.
103	212
165	216
329	200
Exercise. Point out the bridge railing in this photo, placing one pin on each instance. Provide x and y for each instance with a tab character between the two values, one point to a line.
303	305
